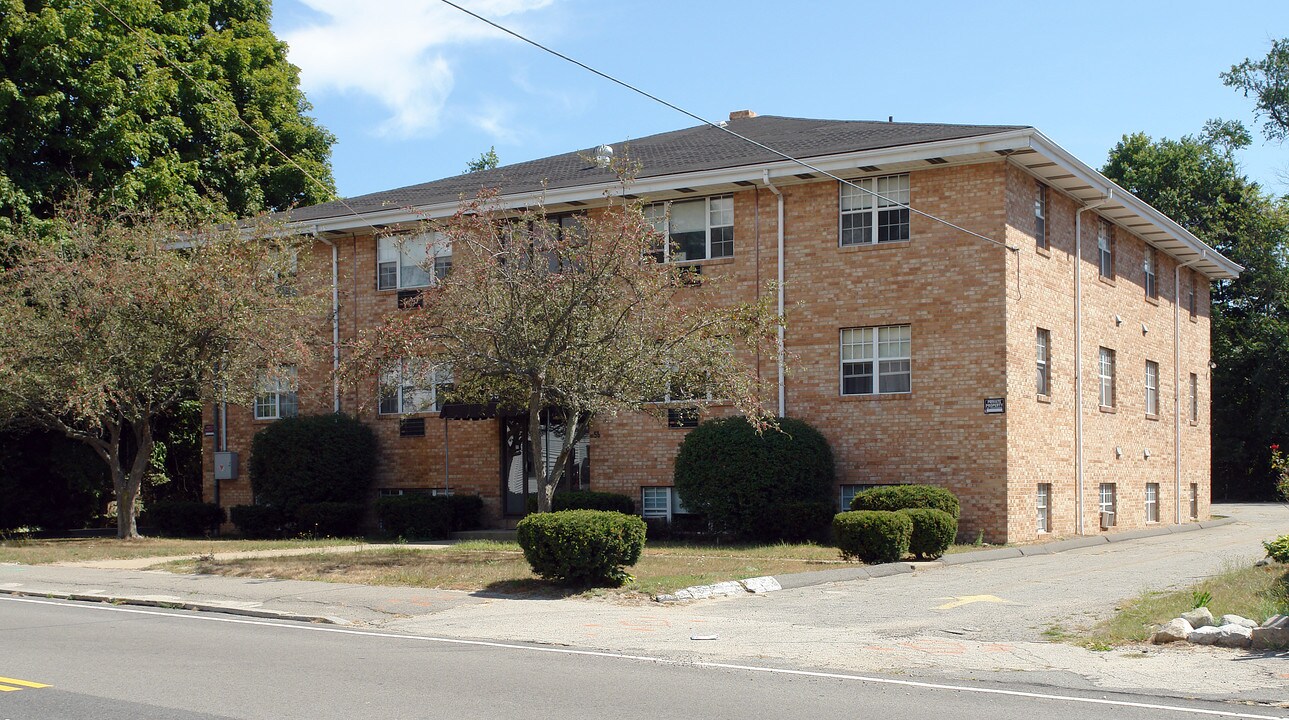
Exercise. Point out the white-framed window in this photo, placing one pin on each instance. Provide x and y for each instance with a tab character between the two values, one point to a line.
693	229
1152	502
407	261
276	394
399	492
1042	353
1106	505
1194	398
876	360
1040	215
1150	269
1192	296
413	386
1105	249
1194	501
1044	507
1105	371
876	211
660	502
1152	387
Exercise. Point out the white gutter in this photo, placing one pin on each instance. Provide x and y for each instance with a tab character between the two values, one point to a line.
335	320
782	400
1177	382
1078	354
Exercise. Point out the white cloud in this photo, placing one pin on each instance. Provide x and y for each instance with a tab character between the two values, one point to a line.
392	50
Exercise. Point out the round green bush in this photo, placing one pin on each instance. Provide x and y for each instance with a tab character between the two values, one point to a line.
258	522
933	531
184	518
587	500
874	536
582	547
330	519
904	497
415	517
312	459
741	481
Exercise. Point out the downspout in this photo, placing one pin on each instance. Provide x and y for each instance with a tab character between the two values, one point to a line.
335	320
779	195
1177	380
1078	353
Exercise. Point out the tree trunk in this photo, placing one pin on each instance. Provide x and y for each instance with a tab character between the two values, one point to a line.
545	490
128	484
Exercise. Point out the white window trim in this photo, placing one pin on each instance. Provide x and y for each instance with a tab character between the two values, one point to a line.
1040	216
876	196
1150	272
1105	379
1043	360
674	506
437	248
1152	388
707	215
1152	505
1043	503
1106	502
1194	409
284	384
1105	249
876	361
438	377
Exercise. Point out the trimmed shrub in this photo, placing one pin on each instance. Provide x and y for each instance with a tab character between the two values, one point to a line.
258	522
184	518
588	500
582	547
803	521
466	511
742	481
330	519
1278	549
312	459
415	517
933	531
874	536
904	497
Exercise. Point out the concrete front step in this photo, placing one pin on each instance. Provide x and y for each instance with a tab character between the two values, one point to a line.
498	535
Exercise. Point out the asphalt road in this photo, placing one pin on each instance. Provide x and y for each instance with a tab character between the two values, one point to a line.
106	662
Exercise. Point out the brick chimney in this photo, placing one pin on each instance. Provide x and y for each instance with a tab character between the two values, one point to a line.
742	115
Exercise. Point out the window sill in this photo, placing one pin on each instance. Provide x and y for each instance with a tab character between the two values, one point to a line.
878	396
1194	318
1152	416
865	247
1193	423
385	291
709	261
1108	409
1107	280
1043	398
1045	252
1152	300
401	416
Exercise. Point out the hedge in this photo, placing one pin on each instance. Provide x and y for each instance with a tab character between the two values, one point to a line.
330	519
587	500
428	517
903	497
874	536
312	459
582	547
933	531
258	522
184	518
743	481
802	521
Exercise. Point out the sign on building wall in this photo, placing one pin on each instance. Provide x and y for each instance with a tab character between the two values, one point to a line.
995	406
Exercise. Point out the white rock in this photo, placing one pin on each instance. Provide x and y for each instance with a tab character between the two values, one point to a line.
729	587
1237	620
1206	635
762	584
1172	631
1234	636
1199	617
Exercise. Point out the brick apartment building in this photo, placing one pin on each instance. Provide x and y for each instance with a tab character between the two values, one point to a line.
922	352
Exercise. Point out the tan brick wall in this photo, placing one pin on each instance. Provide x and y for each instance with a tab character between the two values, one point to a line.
972	328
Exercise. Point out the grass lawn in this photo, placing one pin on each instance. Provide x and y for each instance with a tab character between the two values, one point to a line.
500	567
40	552
1252	592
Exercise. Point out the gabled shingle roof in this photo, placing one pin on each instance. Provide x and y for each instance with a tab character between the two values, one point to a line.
680	151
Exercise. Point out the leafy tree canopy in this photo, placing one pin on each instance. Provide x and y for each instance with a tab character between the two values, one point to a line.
485	161
1267	80
1197	181
151	118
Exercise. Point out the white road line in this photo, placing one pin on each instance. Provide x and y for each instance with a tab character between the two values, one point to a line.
658	660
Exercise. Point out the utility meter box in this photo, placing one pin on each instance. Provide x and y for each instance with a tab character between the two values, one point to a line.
225	466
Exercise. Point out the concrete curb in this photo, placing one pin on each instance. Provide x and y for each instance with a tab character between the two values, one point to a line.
175	605
819	577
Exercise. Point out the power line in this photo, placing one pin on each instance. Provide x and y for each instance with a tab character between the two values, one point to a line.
236	113
723	128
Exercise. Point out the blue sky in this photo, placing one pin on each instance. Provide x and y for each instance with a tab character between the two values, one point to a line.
414	89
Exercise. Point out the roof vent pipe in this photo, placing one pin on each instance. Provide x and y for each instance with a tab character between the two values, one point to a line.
603	156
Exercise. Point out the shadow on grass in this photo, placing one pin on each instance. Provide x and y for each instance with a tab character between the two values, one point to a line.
530	589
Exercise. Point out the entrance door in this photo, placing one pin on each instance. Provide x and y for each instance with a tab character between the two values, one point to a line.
519	482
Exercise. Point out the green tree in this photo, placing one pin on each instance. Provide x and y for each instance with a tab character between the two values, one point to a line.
150	116
578	320
1267	80
111	326
486	161
1197	181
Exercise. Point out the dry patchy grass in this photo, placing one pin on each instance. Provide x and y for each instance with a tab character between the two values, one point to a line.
40	552
500	567
1252	592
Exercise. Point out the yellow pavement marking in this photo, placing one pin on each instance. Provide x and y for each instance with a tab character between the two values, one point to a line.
6	683
960	600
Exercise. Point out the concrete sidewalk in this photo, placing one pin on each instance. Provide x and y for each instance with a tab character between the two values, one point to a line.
985	620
